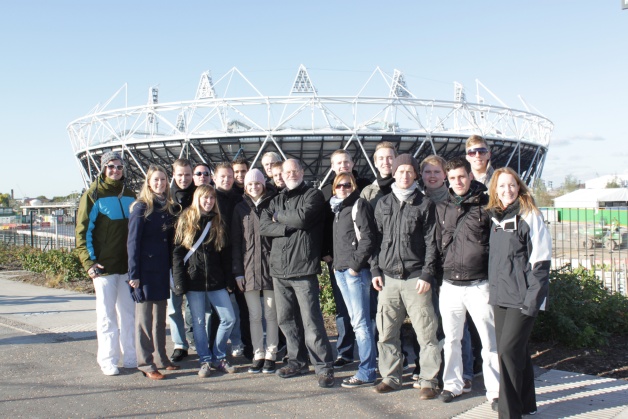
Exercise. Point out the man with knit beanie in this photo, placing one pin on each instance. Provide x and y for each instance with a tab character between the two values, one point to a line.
102	226
403	271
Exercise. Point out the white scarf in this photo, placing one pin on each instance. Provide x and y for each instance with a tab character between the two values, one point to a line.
403	194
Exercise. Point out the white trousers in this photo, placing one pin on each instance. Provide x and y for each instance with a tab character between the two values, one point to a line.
115	321
455	301
255	305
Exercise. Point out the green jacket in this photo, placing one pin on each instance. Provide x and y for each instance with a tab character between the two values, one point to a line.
102	225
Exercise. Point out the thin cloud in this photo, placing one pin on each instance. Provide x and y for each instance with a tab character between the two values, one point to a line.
566	141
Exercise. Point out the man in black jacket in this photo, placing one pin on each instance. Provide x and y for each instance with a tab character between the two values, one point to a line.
182	191
295	219
465	229
403	271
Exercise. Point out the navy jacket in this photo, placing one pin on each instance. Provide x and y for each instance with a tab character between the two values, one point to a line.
149	246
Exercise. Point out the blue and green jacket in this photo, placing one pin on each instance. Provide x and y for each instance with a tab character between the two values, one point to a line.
102	225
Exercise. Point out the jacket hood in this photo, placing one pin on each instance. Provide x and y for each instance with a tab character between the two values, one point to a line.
473	195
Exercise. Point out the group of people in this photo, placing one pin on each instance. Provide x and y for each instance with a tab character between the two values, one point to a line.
456	246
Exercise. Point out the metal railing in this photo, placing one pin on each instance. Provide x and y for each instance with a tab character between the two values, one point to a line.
596	239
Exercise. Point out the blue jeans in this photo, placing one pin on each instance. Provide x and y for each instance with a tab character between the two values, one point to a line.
236	334
467	354
199	303
346	335
356	291
300	295
177	327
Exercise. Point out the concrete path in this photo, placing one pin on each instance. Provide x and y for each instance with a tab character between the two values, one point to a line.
48	369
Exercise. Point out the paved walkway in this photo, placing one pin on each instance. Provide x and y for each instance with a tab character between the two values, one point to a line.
48	352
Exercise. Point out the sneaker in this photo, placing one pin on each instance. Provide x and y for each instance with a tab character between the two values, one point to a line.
256	367
110	370
237	351
341	362
269	367
290	371
416	373
530	413
447	396
178	355
224	366
205	370
326	380
354	382
495	405
468	386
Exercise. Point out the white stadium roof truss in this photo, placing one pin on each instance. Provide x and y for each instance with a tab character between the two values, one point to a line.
305	121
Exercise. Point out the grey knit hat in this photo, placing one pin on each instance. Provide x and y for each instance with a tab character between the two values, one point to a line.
107	157
405	159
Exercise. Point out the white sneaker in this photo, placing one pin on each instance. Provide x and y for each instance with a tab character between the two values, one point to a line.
237	351
204	372
110	370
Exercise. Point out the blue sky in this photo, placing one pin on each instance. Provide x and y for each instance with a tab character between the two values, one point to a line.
59	59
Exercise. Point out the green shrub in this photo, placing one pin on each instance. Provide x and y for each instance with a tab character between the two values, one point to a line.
59	263
582	313
328	304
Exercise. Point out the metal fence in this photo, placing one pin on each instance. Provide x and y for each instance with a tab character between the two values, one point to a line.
596	239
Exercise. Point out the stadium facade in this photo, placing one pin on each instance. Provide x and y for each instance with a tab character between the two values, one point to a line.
216	126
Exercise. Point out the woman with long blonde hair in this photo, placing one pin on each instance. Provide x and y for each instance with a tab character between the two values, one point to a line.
149	245
519	262
202	272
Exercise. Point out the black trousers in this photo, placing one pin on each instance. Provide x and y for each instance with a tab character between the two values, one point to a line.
516	375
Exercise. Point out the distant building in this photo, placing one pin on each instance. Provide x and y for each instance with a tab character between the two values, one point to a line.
593	198
602	181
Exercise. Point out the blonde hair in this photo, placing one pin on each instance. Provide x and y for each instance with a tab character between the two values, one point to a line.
434	160
188	224
526	201
384	144
147	195
475	140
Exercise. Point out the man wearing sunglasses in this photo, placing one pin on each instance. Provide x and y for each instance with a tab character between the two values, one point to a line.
202	175
479	156
102	226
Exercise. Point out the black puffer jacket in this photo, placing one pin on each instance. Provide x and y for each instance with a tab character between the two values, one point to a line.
519	261
466	258
206	270
406	234
250	252
297	233
348	251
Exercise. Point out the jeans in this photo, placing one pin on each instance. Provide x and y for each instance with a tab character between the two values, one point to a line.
263	308
236	335
199	303
455	301
177	327
346	335
467	354
301	295
356	292
115	321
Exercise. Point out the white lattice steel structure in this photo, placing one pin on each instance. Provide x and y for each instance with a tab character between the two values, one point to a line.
215	126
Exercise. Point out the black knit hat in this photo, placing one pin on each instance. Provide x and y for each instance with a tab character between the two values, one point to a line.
405	159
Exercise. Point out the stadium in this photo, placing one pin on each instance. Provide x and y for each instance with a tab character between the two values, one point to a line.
216	126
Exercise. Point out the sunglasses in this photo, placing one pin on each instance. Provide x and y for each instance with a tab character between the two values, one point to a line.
113	166
474	151
201	174
344	185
